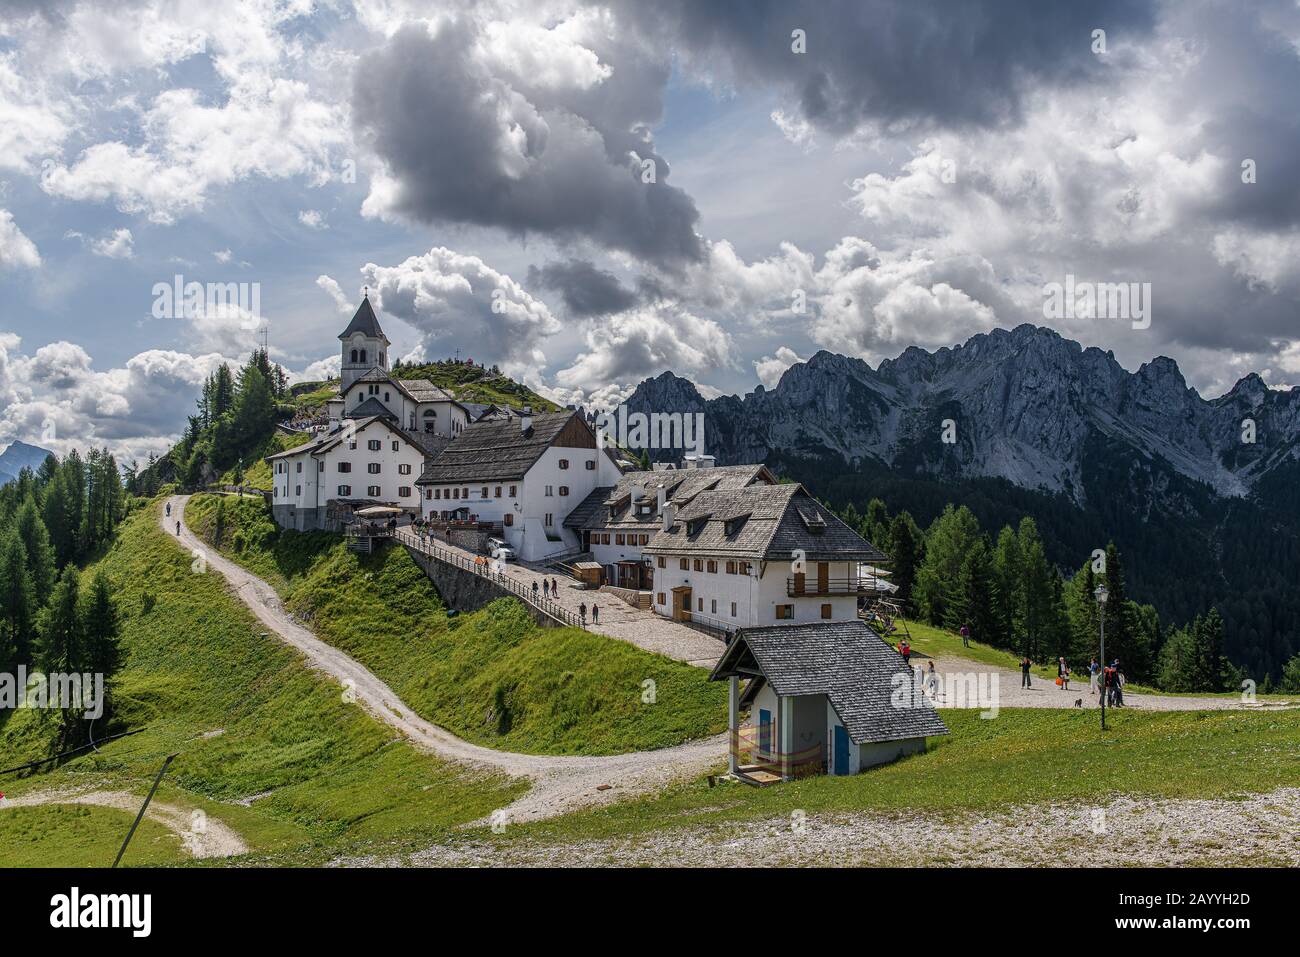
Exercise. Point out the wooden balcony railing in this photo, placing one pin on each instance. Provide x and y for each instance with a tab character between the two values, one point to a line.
796	587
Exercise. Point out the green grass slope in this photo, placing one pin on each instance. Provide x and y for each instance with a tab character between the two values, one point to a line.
493	677
265	744
1024	756
71	835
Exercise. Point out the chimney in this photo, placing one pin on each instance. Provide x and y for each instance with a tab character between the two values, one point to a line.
663	497
638	492
526	419
668	517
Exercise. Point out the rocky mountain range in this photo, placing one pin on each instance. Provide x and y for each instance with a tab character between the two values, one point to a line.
1024	405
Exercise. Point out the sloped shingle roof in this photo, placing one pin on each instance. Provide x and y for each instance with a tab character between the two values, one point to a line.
846	661
371	407
682	485
365	322
422	390
762	522
495	450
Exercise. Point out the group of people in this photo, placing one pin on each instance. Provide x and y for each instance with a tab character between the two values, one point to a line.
1108	679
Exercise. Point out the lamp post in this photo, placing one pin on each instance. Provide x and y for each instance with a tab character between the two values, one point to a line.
1101	596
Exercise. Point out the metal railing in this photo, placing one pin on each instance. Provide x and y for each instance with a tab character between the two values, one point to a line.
484	569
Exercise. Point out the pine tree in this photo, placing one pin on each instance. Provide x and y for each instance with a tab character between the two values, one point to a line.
60	648
18	604
1008	586
971	601
100	630
36	543
902	542
1036	612
949	540
875	526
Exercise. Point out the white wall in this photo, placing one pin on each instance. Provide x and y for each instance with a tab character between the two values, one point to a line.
529	534
755	597
312	488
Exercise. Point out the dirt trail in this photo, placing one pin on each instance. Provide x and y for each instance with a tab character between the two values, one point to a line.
1043	692
559	784
203	837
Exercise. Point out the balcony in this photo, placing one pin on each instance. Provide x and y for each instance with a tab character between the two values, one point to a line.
798	586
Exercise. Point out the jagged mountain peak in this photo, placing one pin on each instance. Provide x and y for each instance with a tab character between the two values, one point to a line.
1030	406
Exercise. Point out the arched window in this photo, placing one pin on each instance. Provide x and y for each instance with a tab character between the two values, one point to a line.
354	355
363	355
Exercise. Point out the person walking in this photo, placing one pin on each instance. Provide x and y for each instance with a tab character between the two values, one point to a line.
169	509
595	613
546	588
534	589
1093	668
905	650
555	588
582	613
1062	674
178	529
1119	685
932	680
1024	672
965	636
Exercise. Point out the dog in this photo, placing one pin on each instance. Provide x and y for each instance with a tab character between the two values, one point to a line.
1078	702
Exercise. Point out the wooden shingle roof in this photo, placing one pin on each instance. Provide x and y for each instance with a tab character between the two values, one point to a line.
762	522
495	450
681	486
846	661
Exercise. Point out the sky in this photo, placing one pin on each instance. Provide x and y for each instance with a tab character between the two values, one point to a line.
590	193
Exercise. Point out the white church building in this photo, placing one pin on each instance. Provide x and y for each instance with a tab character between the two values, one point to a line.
381	432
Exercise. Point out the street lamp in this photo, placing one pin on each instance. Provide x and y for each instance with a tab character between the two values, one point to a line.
1101	596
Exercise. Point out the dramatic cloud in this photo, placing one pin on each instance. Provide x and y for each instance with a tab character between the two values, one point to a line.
646	341
586	290
458	302
893	65
464	138
55	398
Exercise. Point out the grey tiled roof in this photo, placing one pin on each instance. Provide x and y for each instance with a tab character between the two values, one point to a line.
371	407
323	443
681	485
365	322
844	660
762	522
422	390
494	450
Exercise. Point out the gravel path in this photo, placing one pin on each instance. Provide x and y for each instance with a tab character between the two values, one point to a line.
205	837
559	784
1258	830
1043	692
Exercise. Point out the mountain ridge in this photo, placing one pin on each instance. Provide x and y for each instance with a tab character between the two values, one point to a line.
1023	403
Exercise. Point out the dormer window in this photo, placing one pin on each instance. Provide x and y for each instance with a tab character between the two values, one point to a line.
734	524
694	525
812	521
